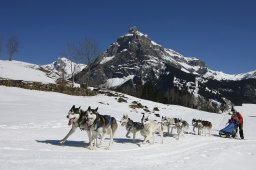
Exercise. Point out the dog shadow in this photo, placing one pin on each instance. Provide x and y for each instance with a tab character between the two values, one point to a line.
67	143
126	140
165	134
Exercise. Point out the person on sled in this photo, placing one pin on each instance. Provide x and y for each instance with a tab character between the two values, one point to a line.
237	118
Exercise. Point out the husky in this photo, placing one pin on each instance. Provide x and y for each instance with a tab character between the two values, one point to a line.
73	116
169	122
175	123
150	128
207	125
131	126
172	123
181	126
197	124
201	125
99	125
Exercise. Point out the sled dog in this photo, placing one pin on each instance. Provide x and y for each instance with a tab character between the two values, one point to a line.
181	126
169	122
131	126
174	123
201	126
150	128
99	125
73	116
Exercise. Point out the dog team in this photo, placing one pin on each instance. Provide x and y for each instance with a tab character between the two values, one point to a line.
97	126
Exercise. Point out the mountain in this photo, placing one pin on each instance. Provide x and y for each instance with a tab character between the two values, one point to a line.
138	66
63	65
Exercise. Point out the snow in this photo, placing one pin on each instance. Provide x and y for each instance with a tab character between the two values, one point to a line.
33	122
106	59
154	43
134	33
219	75
17	70
115	82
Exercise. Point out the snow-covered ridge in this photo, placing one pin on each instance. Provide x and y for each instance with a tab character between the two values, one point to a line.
18	70
218	75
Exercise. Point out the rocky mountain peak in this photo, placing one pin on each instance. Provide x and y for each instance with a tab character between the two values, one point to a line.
138	66
133	30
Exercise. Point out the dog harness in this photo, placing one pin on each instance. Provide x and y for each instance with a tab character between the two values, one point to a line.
132	124
109	123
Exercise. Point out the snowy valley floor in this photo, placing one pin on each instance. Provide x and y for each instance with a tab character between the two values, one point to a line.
33	122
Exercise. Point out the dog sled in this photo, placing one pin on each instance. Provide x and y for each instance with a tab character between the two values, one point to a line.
229	130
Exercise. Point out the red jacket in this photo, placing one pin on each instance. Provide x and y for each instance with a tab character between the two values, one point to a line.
240	117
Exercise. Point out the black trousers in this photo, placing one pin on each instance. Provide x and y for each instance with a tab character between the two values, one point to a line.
241	132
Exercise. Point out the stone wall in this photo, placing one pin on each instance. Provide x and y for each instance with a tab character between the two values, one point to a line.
61	88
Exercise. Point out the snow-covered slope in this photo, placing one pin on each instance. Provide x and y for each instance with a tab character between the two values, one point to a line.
33	122
17	70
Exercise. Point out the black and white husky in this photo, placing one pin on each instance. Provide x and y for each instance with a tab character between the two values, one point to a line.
182	126
174	123
201	126
150	128
73	116
99	125
131	126
169	122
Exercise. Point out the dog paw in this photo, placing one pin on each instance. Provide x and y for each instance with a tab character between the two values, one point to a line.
140	144
90	147
61	142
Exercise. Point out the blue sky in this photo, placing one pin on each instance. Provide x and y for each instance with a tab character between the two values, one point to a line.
220	32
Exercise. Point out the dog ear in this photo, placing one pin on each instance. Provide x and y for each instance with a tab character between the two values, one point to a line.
79	107
73	107
89	108
96	109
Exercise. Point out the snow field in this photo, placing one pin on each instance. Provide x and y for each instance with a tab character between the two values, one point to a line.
33	122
